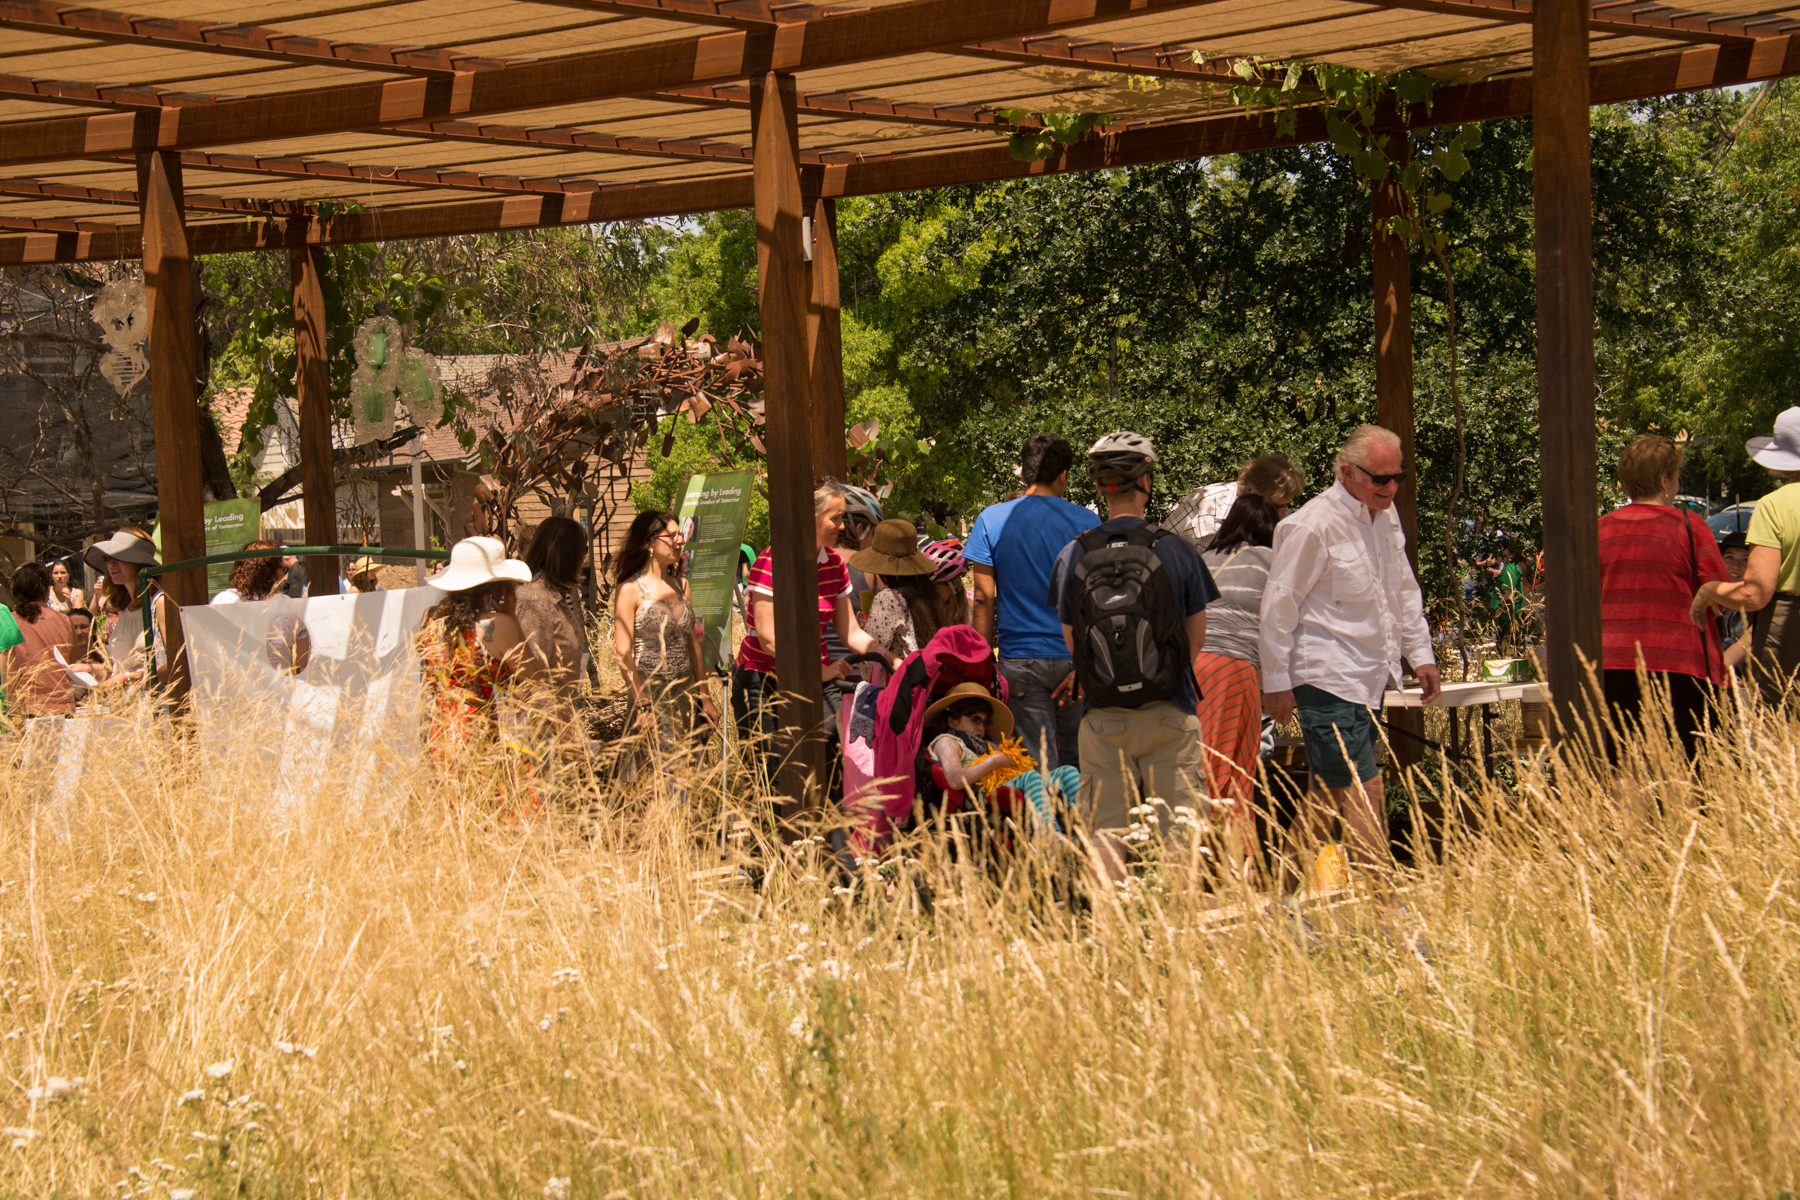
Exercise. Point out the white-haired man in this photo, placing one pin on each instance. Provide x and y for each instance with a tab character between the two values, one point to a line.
1340	610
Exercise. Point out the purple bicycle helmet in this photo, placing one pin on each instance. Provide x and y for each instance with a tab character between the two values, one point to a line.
948	555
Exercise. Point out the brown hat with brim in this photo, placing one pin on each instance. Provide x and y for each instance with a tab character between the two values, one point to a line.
1000	723
895	551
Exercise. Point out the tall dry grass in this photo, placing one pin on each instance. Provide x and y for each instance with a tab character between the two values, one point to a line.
400	994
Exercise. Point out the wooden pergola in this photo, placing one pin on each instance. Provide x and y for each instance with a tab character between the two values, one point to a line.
187	128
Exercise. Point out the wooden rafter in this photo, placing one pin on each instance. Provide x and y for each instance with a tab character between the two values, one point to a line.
843	104
229	37
1627	17
622	202
824	41
51	190
1159	60
405	177
97	95
558	137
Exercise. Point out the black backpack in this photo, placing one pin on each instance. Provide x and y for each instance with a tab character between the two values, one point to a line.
1131	645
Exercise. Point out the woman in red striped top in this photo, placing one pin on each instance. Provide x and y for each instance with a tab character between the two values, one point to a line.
753	683
1653	558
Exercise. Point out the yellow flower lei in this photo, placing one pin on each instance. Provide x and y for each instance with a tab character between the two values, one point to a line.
1021	762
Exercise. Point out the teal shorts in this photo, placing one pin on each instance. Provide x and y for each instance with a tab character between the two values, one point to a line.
1340	737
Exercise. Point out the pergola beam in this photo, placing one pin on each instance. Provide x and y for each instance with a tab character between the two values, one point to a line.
52	190
825	41
623	202
1628	79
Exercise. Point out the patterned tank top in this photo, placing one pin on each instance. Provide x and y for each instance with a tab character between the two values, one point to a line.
659	642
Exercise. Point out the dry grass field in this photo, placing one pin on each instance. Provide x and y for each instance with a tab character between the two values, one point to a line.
397	990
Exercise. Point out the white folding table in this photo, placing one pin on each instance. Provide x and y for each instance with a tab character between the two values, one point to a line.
1479	694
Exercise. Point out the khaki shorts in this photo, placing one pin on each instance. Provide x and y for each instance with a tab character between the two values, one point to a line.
1130	753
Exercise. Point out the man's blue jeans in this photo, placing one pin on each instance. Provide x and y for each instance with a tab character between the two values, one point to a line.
1051	733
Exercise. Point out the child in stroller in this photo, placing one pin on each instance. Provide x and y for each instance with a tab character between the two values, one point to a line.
957	758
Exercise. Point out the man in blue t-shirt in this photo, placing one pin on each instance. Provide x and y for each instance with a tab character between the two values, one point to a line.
1130	755
1011	552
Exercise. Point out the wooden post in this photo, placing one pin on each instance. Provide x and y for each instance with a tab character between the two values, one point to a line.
1562	199
169	299
825	344
782	291
1394	400
312	384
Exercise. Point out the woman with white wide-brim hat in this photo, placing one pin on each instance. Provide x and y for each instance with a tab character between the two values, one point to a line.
1773	573
470	645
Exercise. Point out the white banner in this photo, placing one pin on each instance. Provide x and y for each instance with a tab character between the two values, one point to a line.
351	707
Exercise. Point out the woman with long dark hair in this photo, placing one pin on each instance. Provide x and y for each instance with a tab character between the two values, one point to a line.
35	685
1228	669
554	620
470	645
655	636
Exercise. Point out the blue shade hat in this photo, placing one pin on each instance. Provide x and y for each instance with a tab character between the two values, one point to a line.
1781	452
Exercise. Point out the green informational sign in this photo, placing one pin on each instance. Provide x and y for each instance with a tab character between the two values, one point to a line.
229	525
713	510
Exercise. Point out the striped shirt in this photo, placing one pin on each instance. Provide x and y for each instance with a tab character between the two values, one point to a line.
834	584
1648	577
1234	620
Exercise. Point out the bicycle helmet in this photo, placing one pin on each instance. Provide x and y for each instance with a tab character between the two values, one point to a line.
1120	459
948	555
861	505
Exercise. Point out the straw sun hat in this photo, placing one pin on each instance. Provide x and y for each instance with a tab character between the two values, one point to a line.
478	560
1000	722
895	551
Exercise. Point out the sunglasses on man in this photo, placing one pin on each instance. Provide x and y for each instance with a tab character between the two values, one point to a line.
1380	480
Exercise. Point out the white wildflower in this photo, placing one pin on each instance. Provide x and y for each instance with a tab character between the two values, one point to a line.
147	897
55	1088
797	1028
556	1188
220	1070
182	1194
479	961
832	967
197	1096
566	975
461	1065
544	1025
296	1049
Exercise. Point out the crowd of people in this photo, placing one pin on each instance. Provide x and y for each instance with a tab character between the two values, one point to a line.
1137	667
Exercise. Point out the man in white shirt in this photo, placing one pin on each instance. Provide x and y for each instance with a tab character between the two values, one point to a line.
1340	610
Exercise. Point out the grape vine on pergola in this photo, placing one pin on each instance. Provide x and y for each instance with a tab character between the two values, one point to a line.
169	132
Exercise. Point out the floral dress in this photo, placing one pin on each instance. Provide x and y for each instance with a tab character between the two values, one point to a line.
464	685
